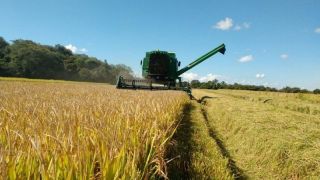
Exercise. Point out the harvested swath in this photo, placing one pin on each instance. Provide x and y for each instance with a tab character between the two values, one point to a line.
271	140
84	130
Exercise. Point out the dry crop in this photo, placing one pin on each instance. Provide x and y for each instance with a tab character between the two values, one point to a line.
70	130
268	135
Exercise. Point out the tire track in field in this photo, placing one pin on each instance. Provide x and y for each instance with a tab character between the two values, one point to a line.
180	152
236	172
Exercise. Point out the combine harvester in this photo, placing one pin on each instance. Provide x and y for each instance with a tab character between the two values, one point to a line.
160	71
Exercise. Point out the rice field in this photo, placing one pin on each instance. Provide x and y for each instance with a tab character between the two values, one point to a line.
267	135
71	130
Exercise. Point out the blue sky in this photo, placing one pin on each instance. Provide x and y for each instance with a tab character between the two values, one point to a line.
274	43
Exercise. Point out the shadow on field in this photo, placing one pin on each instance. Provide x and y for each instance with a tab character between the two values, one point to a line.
234	170
179	152
181	148
203	99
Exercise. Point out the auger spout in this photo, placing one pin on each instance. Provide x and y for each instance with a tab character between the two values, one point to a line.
220	49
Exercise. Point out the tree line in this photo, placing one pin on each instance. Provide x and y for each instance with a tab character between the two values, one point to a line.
25	58
215	84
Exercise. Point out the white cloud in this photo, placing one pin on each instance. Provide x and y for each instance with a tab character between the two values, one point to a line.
209	77
193	76
284	56
246	58
75	49
189	76
244	82
83	50
244	25
71	48
260	76
317	30
225	24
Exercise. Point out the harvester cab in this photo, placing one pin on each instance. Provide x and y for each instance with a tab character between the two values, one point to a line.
160	70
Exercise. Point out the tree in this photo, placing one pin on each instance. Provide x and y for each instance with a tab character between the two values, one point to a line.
316	91
195	83
223	85
85	74
291	89
4	69
122	70
62	50
3	45
28	59
102	74
92	63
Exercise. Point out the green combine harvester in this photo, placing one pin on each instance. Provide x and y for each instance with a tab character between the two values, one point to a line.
160	71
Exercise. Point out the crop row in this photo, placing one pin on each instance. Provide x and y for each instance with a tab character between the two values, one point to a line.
83	130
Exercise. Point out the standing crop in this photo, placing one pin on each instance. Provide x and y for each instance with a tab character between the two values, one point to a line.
84	130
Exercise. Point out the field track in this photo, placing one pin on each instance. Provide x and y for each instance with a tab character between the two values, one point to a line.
265	135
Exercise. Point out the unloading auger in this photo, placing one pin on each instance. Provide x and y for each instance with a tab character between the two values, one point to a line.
160	71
